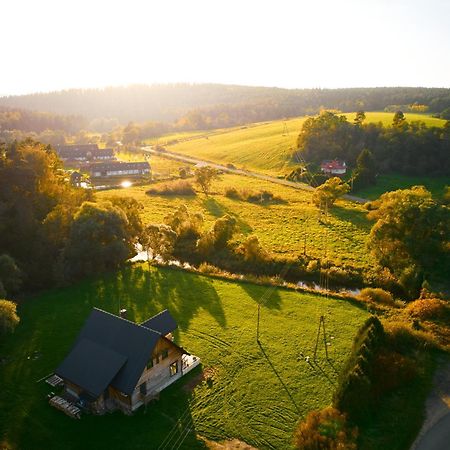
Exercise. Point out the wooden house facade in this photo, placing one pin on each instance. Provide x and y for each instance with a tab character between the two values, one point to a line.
118	364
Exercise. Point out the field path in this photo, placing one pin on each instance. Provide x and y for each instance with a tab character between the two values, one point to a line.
245	173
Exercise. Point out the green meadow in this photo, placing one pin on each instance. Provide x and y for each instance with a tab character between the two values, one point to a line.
256	392
283	228
393	182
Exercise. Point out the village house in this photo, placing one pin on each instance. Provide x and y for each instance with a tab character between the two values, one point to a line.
118	168
334	167
118	364
84	153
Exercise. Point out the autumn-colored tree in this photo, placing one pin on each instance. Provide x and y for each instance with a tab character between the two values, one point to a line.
326	429
204	176
327	193
8	316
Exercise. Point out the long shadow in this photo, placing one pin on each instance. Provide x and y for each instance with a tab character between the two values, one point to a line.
267	296
278	376
217	209
145	292
316	364
357	218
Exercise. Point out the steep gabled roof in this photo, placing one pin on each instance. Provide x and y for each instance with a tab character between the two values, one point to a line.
163	322
112	335
91	366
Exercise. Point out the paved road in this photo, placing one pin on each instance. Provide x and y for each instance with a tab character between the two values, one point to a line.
246	173
437	437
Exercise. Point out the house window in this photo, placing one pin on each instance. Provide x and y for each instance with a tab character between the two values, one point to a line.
173	368
164	354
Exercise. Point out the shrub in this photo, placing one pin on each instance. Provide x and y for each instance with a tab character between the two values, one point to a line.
377	295
252	196
178	187
253	250
325	430
208	268
429	309
232	192
402	338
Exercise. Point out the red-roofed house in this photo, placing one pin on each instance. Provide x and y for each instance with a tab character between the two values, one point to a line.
334	167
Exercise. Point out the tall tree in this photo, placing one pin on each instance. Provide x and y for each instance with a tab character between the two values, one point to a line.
365	172
158	240
399	119
8	316
411	234
99	239
204	176
327	193
360	117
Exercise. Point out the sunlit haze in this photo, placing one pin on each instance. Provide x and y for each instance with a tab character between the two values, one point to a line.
54	44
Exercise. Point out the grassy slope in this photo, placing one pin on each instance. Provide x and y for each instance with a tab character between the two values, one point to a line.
392	182
281	228
258	393
265	147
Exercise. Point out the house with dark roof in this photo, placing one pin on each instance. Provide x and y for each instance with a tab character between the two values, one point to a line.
119	168
84	153
118	364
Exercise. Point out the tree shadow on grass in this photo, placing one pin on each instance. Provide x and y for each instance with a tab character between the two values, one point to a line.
357	218
145	292
217	209
267	296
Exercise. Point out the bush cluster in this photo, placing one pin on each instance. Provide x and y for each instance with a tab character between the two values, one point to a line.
178	187
377	295
248	195
326	429
429	309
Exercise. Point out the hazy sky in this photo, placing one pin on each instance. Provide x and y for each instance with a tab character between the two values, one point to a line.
57	44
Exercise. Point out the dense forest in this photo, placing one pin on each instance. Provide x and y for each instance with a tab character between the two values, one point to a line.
214	105
408	148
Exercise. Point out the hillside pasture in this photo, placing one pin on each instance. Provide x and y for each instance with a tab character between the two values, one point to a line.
255	392
268	146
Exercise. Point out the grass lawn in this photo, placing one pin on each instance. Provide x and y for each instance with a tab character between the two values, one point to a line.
393	182
281	228
257	394
266	147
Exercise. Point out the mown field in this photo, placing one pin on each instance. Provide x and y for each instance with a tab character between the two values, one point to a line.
282	228
266	147
257	392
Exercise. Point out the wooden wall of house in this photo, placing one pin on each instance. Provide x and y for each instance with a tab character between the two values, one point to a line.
160	372
122	401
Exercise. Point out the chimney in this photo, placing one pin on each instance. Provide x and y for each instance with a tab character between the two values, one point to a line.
123	313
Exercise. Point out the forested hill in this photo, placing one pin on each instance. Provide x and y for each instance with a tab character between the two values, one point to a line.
224	104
